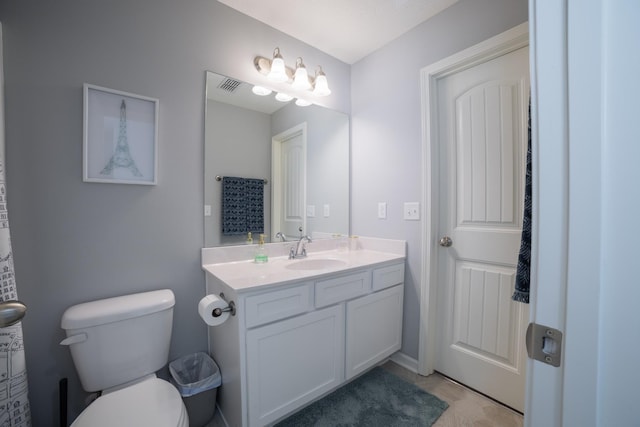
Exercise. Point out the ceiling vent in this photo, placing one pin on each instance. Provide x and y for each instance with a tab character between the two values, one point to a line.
229	85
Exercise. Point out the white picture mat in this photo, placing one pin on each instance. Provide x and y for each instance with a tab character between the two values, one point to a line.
102	109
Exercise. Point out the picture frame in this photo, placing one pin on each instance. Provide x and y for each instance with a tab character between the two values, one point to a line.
120	137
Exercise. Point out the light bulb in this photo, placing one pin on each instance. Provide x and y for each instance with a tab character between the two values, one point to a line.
278	72
262	91
283	97
321	85
301	78
302	102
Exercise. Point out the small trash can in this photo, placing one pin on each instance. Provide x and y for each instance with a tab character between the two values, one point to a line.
197	378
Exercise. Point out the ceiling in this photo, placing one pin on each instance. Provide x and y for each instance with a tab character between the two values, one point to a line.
348	30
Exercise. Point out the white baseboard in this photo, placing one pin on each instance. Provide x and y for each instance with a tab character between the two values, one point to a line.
405	361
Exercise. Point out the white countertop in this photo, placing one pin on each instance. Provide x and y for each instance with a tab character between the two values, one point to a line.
246	275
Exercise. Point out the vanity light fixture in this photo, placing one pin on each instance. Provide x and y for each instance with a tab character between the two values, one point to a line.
300	80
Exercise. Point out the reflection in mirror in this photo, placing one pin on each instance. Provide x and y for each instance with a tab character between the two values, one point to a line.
302	154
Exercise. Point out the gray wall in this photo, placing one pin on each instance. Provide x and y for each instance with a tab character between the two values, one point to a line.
76	241
386	128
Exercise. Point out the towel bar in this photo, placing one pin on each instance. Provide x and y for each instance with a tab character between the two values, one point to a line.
219	178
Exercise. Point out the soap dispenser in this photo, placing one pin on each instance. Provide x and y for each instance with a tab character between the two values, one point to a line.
261	253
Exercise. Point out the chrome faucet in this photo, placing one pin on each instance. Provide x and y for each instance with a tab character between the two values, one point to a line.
281	235
300	251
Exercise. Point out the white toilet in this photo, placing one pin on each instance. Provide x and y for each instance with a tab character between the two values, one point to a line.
117	345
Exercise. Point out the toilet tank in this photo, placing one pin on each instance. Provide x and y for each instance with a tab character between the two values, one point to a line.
115	341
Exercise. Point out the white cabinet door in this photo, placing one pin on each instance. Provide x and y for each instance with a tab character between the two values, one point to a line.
290	363
374	329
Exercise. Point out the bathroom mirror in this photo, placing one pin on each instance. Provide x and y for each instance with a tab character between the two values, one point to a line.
301	153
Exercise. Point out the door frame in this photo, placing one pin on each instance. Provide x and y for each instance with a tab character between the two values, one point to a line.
503	43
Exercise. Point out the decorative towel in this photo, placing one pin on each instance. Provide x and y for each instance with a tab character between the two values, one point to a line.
523	273
242	205
254	202
234	220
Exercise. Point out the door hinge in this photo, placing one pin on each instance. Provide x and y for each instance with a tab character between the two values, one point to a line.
544	344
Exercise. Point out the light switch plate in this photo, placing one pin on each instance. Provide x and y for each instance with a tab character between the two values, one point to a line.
311	211
207	210
325	211
382	210
412	211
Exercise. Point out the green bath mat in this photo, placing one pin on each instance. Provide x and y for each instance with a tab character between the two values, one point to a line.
377	398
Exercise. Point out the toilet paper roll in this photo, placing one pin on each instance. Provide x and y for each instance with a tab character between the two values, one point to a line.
206	308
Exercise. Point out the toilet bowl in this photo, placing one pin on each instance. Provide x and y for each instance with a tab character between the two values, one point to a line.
117	345
153	402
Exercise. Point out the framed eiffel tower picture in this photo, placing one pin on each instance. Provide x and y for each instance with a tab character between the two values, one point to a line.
120	142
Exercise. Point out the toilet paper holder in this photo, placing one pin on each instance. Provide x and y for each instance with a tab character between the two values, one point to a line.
231	307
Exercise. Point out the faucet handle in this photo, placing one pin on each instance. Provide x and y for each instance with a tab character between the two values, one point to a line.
292	253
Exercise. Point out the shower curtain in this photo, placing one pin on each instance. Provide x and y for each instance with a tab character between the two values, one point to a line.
523	273
14	401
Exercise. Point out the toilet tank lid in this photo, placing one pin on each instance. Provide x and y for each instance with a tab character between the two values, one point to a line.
117	308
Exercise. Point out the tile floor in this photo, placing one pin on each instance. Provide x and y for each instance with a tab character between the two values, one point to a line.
466	407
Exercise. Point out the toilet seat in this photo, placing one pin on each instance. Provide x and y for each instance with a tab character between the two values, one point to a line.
153	402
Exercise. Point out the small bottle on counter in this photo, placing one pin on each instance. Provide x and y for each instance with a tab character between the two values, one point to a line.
343	242
249	240
261	253
353	243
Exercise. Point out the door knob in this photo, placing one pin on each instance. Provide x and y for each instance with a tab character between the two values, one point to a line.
446	241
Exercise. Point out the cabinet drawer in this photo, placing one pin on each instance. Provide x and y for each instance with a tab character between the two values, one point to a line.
276	305
339	289
385	277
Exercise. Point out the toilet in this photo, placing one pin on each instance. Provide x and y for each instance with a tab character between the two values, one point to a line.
117	345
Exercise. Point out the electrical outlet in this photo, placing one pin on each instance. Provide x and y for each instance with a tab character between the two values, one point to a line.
311	211
207	210
325	209
412	211
382	210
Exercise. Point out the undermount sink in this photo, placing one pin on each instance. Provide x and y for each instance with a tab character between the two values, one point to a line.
316	264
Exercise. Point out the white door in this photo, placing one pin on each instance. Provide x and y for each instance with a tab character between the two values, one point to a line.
482	143
289	177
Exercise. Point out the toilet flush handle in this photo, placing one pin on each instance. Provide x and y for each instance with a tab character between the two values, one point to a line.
11	312
74	339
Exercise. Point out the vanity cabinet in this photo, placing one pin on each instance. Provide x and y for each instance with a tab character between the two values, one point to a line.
300	340
289	363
